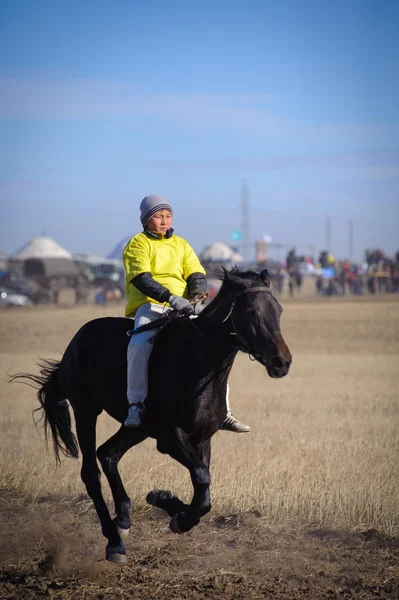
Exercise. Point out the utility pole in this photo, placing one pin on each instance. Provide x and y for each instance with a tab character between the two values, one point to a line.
328	235
350	241
245	219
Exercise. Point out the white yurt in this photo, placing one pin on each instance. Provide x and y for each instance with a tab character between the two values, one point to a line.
41	247
42	259
221	253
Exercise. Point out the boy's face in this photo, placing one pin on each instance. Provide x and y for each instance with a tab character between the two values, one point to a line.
160	221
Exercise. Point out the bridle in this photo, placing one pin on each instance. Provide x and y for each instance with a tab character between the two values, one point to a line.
243	345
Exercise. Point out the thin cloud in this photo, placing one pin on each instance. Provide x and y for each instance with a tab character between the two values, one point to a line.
363	165
44	98
49	98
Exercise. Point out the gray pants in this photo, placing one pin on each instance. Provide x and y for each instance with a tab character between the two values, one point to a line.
139	352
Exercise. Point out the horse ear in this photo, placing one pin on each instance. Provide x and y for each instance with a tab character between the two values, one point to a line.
265	277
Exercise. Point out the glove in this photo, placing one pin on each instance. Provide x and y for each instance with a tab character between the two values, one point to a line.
181	304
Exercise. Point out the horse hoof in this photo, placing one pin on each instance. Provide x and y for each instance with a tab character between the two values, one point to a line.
174	525
116	554
115	557
123	532
154	496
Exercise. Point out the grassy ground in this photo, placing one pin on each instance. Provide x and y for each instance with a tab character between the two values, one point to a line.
305	505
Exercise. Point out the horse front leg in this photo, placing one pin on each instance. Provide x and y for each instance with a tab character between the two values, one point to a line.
171	504
176	443
204	452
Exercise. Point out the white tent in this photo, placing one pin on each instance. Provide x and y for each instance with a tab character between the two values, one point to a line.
116	252
219	252
41	247
94	259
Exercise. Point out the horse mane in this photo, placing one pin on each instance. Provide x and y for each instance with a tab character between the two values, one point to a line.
231	281
226	276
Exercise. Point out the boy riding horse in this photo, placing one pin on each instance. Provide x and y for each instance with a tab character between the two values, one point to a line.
162	272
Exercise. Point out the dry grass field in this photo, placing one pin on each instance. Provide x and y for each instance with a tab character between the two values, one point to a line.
305	506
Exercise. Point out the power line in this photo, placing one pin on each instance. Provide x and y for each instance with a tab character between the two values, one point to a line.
350	241
245	216
328	235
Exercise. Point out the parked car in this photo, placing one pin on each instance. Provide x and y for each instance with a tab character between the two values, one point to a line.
10	298
18	285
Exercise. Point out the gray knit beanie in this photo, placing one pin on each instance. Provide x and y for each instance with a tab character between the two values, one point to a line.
150	204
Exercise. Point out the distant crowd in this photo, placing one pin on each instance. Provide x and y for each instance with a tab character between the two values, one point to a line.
377	274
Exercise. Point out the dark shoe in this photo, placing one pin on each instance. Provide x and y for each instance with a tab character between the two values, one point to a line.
232	424
134	416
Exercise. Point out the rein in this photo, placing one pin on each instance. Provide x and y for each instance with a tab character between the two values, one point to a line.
243	345
160	323
169	315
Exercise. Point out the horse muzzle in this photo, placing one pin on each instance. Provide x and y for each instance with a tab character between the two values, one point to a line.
278	366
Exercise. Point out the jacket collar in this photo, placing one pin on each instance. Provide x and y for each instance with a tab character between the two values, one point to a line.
158	236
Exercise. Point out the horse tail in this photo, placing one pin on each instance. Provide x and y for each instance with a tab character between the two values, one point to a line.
54	407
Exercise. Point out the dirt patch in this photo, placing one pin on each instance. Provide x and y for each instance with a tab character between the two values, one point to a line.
53	549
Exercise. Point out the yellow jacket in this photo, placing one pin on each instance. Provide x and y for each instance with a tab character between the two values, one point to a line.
170	261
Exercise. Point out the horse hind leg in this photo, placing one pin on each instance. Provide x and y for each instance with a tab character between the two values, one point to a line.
109	455
86	432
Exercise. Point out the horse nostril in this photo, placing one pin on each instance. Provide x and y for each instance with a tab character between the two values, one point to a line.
276	362
288	363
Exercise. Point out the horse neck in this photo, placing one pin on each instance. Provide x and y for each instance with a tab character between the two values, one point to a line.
215	325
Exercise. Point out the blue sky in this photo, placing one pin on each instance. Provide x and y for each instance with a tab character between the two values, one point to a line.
104	102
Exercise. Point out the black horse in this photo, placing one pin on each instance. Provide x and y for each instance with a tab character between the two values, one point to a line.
186	403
